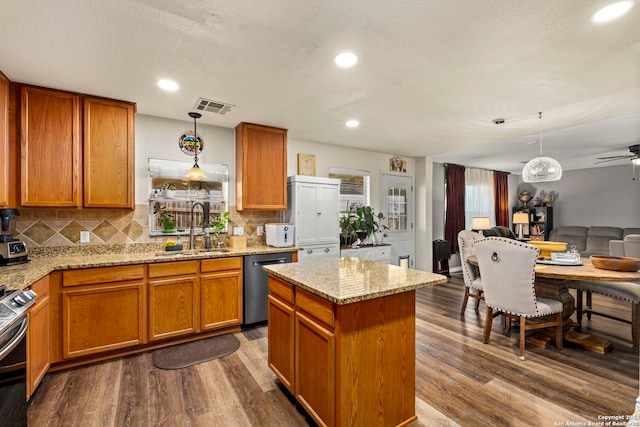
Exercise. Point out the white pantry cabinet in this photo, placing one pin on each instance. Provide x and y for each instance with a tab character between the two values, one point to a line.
313	206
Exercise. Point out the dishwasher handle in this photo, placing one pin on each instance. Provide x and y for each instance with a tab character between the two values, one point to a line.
269	262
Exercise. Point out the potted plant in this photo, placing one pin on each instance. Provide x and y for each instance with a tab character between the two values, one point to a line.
348	226
169	191
167	222
219	226
202	190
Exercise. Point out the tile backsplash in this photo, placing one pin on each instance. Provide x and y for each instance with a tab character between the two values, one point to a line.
62	227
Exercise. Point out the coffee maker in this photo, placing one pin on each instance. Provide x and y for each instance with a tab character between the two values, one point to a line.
12	250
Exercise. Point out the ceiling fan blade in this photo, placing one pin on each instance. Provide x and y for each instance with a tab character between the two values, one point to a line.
626	156
611	159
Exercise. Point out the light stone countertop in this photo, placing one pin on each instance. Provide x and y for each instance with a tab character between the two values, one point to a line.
45	261
348	280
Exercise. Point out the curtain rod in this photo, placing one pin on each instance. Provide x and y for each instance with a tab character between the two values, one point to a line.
473	167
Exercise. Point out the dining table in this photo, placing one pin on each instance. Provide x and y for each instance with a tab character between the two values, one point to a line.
554	281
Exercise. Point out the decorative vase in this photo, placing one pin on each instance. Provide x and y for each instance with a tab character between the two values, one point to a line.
524	197
537	202
169	194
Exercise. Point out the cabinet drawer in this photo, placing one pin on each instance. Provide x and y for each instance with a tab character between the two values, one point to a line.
220	264
173	268
89	276
318	307
281	289
316	252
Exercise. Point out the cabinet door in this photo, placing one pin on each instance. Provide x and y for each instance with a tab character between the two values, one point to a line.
306	214
328	219
172	307
38	355
220	300
108	154
4	140
261	167
281	339
50	148
314	375
102	318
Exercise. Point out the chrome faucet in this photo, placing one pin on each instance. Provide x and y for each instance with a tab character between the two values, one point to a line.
192	237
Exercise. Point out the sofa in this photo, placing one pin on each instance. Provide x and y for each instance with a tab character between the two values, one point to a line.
592	240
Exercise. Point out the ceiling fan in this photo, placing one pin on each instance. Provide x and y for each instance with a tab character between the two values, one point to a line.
635	155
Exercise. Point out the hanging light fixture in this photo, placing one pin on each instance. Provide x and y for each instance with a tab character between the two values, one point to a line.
541	169
195	173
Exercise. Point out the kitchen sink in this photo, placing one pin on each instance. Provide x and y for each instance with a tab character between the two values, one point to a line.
193	252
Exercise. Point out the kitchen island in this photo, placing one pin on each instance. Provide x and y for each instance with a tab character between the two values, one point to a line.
342	338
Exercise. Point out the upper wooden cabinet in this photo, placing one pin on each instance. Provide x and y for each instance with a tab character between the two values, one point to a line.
261	167
108	154
50	148
4	140
73	146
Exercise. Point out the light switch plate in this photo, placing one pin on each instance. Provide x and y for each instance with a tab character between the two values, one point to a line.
84	237
260	230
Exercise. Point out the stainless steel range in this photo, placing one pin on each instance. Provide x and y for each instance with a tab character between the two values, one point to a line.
13	355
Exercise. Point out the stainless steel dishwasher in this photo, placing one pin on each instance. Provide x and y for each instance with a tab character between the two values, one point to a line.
255	287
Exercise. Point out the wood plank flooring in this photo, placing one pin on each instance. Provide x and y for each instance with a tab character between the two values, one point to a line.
460	381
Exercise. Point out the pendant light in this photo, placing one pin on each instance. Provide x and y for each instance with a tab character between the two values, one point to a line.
541	169
195	173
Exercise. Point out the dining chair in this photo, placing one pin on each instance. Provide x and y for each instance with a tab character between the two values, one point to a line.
508	273
472	281
626	291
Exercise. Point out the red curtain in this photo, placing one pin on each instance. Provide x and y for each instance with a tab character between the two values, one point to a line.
454	215
501	191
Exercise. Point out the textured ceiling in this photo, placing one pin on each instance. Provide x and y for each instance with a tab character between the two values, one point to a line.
431	75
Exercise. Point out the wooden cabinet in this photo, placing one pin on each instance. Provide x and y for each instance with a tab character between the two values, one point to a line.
54	136
4	140
220	293
346	364
280	308
108	154
103	309
38	355
50	148
173	299
261	167
315	357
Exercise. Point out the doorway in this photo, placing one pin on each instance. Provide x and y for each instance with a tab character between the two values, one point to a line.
397	205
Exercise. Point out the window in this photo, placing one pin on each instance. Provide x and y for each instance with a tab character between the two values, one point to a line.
479	195
354	187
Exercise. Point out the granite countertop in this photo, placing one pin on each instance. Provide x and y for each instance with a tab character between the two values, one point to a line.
348	280
46	260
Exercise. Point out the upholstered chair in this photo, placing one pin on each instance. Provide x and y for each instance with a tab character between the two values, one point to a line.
629	247
508	273
472	281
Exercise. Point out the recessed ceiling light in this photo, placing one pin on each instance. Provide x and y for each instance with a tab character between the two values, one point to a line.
612	11
346	59
168	85
352	123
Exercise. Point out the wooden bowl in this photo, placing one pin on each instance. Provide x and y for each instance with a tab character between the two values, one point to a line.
616	263
546	247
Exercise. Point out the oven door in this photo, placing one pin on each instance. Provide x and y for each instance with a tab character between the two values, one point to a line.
13	386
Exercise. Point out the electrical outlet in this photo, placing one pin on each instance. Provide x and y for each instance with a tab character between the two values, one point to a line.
84	237
260	230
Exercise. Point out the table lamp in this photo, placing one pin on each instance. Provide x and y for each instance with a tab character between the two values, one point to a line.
480	223
520	218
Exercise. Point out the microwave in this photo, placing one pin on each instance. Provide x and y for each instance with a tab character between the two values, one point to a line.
279	234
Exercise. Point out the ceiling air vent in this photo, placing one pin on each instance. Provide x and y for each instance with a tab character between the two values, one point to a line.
212	106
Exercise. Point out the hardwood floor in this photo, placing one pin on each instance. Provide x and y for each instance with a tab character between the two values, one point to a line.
460	381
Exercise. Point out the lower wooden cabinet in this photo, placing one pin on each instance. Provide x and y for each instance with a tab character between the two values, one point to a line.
346	364
38	355
102	318
173	302
101	311
220	293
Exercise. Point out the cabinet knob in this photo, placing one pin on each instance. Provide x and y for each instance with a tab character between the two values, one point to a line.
318	213
309	251
326	249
